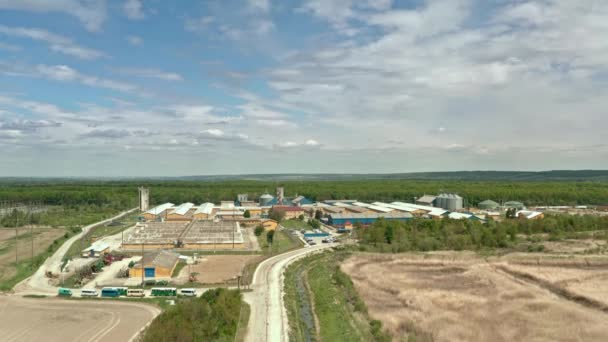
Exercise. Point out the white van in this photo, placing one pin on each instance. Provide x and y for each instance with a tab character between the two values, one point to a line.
135	293
188	292
88	293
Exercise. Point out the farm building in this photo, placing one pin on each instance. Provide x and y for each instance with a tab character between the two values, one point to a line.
451	202
154	235
427	200
332	210
270	224
204	212
341	220
438	213
157	211
181	213
232	214
514	204
253	211
290	212
97	249
159	264
488	205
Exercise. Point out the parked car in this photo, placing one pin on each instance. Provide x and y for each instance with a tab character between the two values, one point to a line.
312	243
89	293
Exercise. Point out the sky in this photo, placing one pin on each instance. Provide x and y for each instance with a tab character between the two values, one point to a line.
127	88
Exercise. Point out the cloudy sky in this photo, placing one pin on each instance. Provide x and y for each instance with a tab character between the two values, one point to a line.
153	87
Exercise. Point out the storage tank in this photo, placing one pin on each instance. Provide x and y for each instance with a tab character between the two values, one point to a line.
265	199
451	202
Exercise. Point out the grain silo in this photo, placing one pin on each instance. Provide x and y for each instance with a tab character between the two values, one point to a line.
451	202
265	199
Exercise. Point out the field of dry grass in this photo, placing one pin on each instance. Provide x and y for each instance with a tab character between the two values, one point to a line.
460	297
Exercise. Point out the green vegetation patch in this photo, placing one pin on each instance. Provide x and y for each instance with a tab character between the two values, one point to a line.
212	317
339	312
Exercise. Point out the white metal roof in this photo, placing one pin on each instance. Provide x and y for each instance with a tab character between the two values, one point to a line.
415	206
159	209
380	208
227	204
528	214
439	212
361	204
182	209
343	205
459	216
205	208
98	246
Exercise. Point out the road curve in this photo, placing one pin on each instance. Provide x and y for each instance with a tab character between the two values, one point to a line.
268	320
38	283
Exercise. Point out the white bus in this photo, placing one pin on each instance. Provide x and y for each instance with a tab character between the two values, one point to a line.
188	292
135	293
88	293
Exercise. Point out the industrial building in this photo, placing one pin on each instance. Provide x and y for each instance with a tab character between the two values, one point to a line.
427	200
488	205
155	265
157	212
347	219
183	212
514	204
204	212
290	212
451	202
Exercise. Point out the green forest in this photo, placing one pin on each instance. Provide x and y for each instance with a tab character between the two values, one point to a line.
448	234
212	317
123	194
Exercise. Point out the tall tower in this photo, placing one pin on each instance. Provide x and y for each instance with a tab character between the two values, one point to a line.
280	195
144	198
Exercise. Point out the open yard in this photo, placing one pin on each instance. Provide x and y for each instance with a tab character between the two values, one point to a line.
43	238
62	320
460	297
216	269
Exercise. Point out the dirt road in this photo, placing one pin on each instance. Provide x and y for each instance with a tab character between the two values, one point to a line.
62	320
38	283
268	320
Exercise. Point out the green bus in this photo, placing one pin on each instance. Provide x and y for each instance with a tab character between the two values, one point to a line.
110	292
123	291
164	291
63	292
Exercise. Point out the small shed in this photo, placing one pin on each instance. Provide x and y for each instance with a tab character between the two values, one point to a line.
96	250
159	264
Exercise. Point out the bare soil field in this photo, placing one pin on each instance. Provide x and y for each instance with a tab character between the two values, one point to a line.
461	297
216	269
67	320
43	238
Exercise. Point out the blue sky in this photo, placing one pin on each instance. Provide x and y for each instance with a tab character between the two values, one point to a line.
165	88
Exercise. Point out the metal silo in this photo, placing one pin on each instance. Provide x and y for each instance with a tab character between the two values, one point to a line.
265	199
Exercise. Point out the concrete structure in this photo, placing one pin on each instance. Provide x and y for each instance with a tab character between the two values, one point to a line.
227	205
157	212
348	219
183	212
144	199
290	212
488	205
155	265
223	214
96	250
213	235
203	212
154	235
427	200
299	201
451	202
242	198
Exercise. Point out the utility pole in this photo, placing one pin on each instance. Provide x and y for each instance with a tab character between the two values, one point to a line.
16	236
32	238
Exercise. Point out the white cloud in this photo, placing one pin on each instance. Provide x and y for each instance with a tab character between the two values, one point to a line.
92	13
65	73
199	25
259	5
214	132
311	142
134	9
151	73
288	144
135	40
56	42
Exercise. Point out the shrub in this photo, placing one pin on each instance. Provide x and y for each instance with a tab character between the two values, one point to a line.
258	230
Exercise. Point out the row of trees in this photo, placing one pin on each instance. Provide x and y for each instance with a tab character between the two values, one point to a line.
123	194
447	234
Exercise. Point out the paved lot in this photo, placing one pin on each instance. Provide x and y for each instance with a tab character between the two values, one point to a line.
62	320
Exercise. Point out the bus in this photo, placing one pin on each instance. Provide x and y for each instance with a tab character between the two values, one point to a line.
164	291
122	290
110	292
63	292
135	293
88	293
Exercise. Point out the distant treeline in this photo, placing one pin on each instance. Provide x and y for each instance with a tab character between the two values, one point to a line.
123	194
447	234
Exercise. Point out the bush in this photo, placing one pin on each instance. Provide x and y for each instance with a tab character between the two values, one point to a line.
258	230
